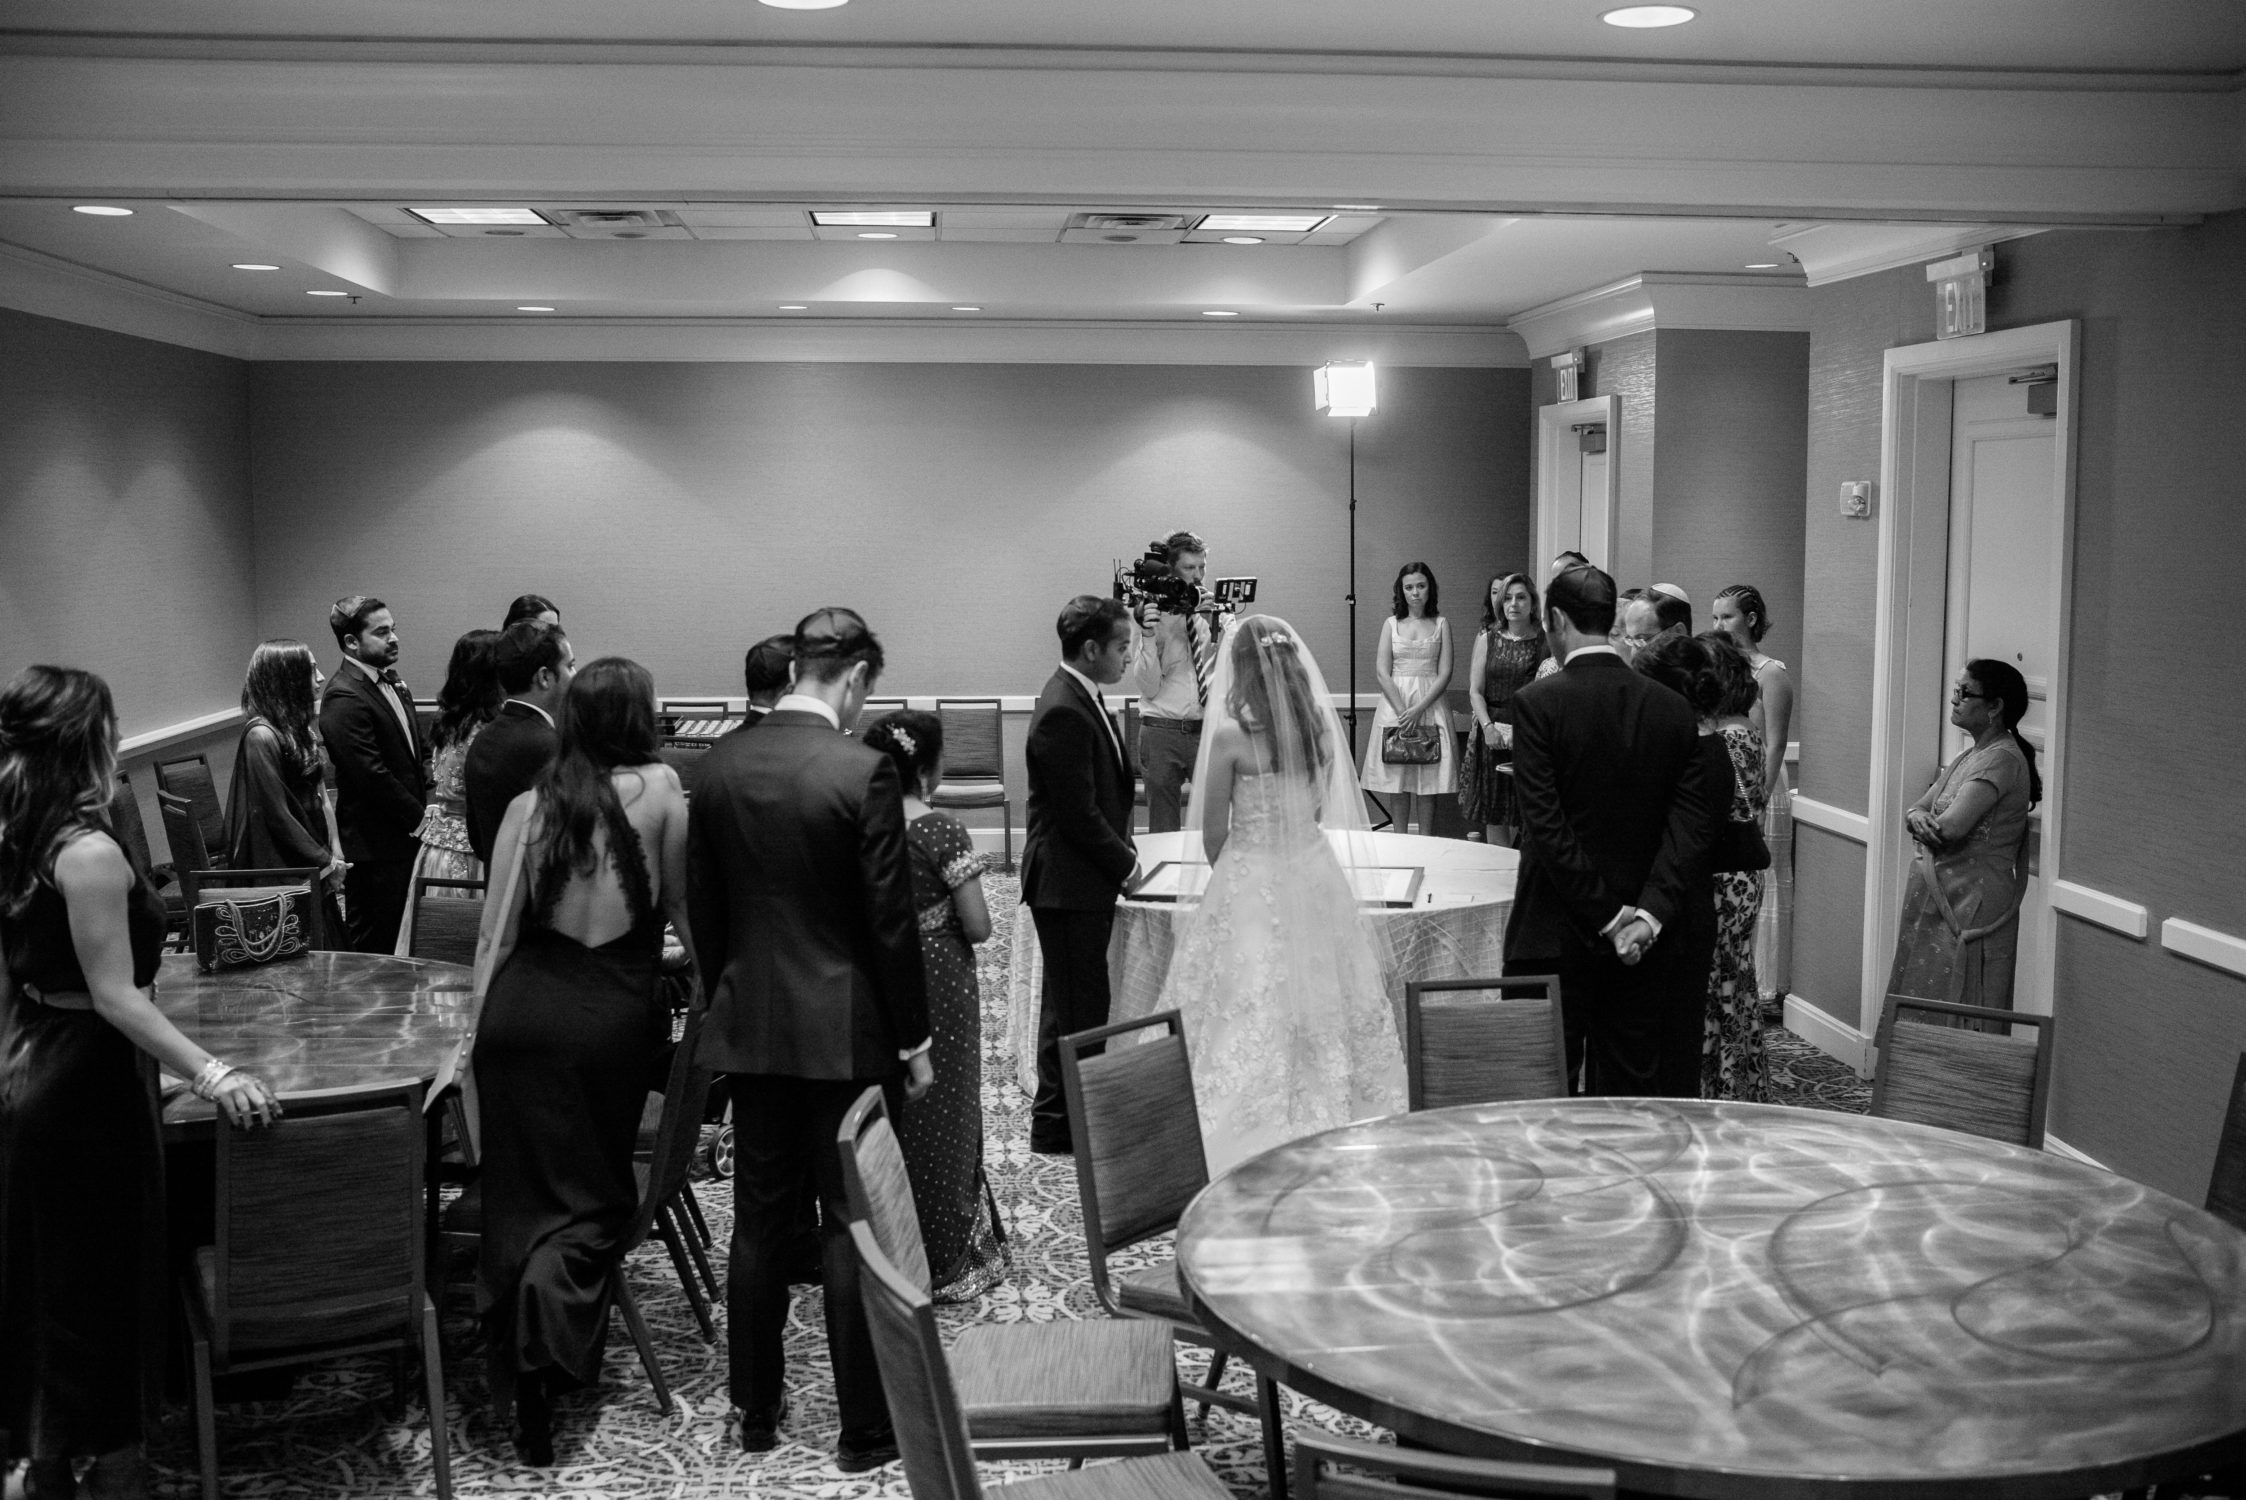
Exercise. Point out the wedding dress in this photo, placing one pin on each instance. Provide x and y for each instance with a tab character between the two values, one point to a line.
1278	971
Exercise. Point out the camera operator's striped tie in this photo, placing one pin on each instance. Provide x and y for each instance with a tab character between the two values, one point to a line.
1204	652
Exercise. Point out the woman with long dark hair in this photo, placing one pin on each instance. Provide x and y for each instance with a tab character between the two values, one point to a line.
1959	938
278	811
81	1150
1413	667
1507	653
1733	1061
471	696
586	867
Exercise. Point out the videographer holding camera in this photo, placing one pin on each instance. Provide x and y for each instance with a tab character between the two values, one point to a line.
1173	661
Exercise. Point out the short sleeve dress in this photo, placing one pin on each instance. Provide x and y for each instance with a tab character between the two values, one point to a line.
942	1131
1415	662
1959	936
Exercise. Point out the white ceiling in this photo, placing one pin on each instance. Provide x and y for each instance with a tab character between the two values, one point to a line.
1481	159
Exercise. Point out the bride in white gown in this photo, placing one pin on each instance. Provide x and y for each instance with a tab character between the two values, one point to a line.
1278	972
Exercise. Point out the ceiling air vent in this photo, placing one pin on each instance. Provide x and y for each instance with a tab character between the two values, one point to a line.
1125	229
619	223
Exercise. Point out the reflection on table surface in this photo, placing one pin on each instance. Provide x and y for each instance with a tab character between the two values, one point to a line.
326	1020
1792	1300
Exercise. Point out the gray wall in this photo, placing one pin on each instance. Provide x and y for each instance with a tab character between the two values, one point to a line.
125	516
2157	716
677	512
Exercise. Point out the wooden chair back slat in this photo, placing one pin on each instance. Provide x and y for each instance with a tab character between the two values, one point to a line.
1139	1156
1483	1041
445	927
923	1405
2226	1186
319	1220
1983	1083
877	1188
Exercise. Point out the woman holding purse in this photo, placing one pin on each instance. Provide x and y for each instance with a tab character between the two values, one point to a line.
1411	754
1507	655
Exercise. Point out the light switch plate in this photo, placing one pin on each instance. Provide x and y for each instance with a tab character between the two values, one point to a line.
1856	499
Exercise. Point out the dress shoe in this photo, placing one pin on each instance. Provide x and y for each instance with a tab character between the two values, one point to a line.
534	1420
761	1433
857	1457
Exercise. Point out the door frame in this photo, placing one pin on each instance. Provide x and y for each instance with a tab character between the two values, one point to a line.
1910	612
1552	423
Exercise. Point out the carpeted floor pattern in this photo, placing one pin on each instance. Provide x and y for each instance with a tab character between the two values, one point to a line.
335	1437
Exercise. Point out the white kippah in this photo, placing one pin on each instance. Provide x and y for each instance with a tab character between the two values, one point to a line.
1673	592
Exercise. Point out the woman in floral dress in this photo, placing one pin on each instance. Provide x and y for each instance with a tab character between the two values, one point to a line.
470	697
1733	1064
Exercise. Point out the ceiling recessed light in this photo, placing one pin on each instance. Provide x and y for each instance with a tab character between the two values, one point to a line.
792	307
533	307
1357	208
1762	265
1217	312
1243	239
477	215
318	293
102	211
874	218
964	308
877	234
804	4
1644	17
1263	223
254	265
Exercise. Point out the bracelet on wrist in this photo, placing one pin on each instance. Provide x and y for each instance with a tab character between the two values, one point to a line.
214	1073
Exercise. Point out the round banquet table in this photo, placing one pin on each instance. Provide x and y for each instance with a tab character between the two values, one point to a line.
1735	1299
1455	929
325	1020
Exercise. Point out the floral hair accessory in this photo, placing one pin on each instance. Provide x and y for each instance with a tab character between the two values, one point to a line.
904	741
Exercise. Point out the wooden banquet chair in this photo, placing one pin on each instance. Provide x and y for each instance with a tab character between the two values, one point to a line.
932	1433
874	711
444	928
1984	1083
192	863
974	769
318	1252
1486	1041
1384	1472
1139	1162
190	777
1066	1389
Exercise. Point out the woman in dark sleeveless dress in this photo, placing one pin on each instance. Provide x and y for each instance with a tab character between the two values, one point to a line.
1506	656
942	1131
586	867
81	1150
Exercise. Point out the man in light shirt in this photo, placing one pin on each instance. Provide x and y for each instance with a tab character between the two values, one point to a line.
1171	687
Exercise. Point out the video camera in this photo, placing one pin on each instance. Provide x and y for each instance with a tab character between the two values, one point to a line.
1151	580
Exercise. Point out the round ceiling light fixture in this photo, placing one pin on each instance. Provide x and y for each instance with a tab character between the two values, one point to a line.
102	211
318	293
534	307
254	265
1762	265
794	307
964	308
1243	239
1649	17
804	4
1217	312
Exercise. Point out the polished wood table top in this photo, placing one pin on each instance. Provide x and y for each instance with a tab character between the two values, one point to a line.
326	1020
1734	1299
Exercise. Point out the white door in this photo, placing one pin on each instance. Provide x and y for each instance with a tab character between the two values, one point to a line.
1591	507
2003	512
1575	489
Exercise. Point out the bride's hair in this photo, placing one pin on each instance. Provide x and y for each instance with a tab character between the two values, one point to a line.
1270	688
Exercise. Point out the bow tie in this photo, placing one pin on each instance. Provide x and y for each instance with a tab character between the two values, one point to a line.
389	676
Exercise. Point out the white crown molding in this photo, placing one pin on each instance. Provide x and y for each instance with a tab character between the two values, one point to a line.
1838	252
2095	906
2217	950
1739	302
32	282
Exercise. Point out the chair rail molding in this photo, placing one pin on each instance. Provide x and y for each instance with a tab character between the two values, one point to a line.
2217	950
2095	906
1831	819
171	734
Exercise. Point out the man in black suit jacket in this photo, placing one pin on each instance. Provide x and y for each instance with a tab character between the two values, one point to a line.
765	672
800	899
1078	854
374	746
1614	820
535	665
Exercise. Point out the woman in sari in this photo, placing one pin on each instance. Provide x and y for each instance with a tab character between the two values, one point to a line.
1960	932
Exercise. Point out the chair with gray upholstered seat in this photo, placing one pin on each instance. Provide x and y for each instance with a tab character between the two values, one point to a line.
932	1433
1986	1083
190	777
1070	1388
974	770
1139	1161
1483	1041
1382	1472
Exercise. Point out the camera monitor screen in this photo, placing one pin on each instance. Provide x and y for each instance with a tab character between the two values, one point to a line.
1234	590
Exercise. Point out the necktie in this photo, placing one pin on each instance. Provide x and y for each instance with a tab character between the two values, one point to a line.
1204	652
391	678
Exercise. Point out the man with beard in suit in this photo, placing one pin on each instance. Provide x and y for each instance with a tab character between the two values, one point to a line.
535	665
1078	854
375	749
1614	809
800	899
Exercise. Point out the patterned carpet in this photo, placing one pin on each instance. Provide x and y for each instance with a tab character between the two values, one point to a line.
333	1436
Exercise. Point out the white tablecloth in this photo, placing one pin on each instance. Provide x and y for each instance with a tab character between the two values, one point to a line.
1455	931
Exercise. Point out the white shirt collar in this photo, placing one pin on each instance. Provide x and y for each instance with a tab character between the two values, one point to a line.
1089	685
372	674
534	708
1588	651
804	703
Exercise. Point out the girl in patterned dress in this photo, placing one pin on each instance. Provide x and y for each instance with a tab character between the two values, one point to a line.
942	1133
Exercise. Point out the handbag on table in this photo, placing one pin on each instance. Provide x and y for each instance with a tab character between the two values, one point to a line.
1411	744
252	925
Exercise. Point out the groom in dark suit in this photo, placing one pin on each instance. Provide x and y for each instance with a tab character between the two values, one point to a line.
800	900
1614	818
1078	854
374	745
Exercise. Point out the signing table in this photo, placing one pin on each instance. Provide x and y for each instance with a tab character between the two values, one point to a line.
1454	928
1734	1299
325	1020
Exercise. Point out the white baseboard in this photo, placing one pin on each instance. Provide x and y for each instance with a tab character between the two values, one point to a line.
992	841
2057	1147
1835	1039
